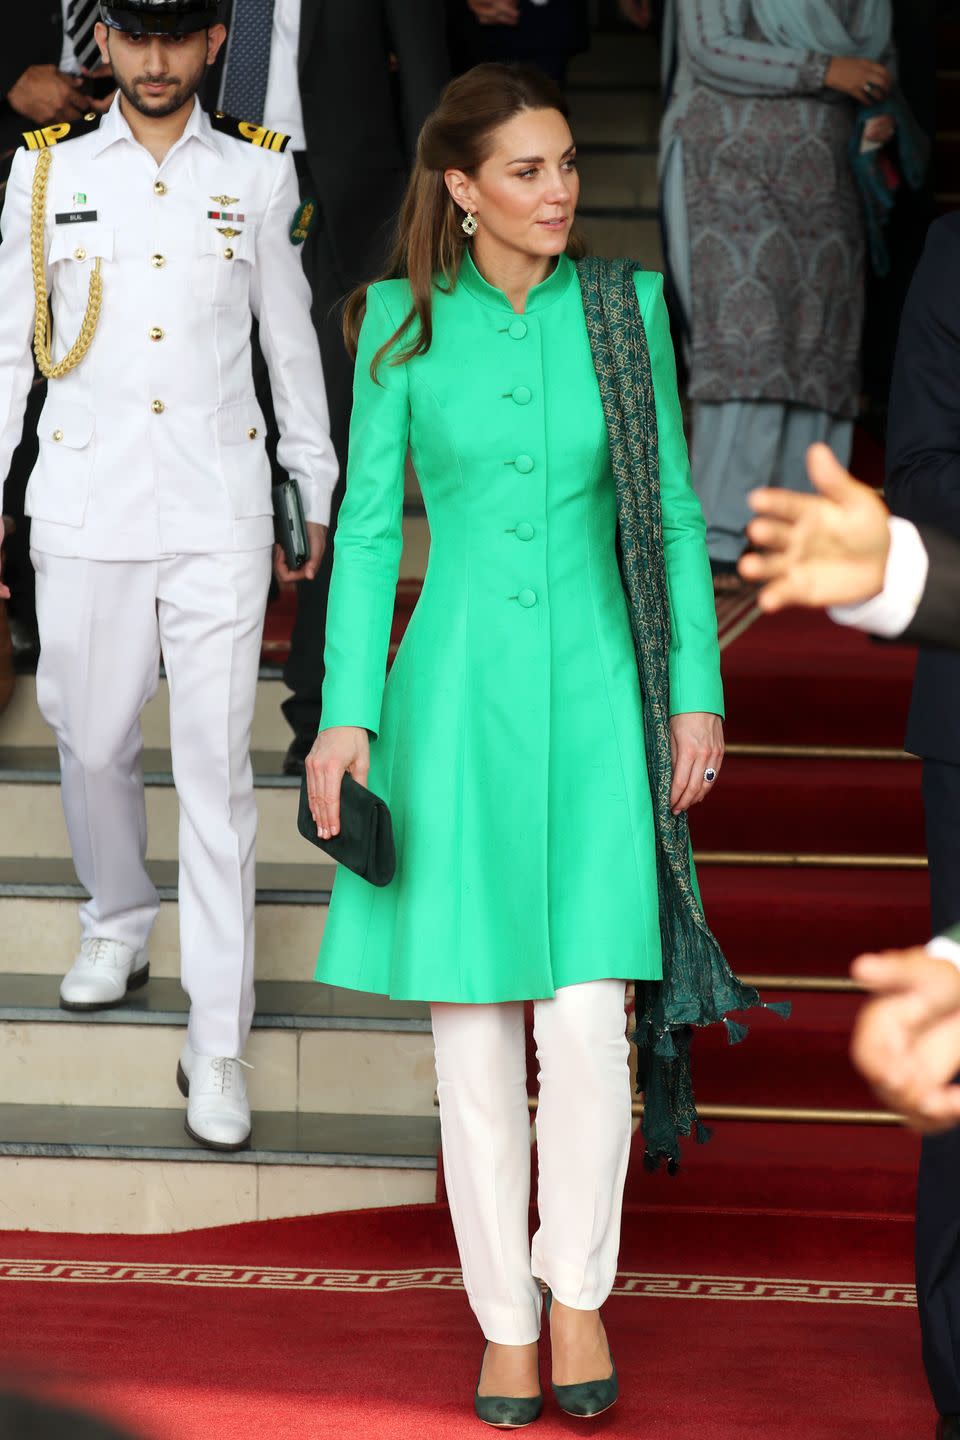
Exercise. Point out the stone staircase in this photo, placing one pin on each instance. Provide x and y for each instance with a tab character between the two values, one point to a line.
91	1123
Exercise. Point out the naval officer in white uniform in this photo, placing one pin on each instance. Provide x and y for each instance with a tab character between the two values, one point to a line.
159	234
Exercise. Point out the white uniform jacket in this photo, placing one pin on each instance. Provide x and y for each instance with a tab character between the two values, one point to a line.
154	444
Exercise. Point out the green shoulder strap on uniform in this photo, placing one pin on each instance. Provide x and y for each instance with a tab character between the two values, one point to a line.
54	134
246	130
698	987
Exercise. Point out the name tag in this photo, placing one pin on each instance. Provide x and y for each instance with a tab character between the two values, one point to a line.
75	217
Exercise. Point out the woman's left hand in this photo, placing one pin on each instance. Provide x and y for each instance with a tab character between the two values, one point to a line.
880	130
696	743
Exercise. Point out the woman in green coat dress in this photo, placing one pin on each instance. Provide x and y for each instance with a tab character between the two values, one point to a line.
509	739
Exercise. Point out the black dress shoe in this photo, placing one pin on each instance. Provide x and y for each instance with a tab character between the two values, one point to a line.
948	1427
294	762
25	642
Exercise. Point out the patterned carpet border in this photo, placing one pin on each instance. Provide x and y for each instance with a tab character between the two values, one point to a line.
357	1282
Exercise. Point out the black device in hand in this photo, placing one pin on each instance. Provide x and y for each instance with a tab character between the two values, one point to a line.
290	526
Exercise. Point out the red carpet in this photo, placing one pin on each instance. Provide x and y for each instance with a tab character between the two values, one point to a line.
870	807
301	1329
799	679
812	921
826	1205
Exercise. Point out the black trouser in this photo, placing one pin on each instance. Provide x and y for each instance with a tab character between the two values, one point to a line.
303	673
17	569
938	1196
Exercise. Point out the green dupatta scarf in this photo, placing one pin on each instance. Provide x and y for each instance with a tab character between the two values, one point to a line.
698	987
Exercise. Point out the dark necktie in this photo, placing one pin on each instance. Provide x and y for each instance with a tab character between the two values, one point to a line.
82	16
248	59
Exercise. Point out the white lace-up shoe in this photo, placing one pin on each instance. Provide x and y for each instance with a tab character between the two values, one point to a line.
218	1111
102	975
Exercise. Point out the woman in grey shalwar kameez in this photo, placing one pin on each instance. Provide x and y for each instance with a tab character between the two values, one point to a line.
765	234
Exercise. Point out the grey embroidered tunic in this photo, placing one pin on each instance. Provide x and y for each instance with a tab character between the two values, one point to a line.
775	247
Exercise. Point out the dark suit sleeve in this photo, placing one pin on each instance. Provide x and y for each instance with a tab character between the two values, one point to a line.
32	35
419	33
923	441
937	621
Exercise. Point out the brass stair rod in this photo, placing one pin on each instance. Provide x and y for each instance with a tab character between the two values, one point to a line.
801	862
780	1115
811	984
815	752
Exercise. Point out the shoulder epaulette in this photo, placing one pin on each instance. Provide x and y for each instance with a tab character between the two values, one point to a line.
54	134
246	130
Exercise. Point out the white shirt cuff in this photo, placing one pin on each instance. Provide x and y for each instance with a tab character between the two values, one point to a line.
904	581
943	949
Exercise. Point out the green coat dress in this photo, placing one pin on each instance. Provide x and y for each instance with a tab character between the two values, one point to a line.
508	740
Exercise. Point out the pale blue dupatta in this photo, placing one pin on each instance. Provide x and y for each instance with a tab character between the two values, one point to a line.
864	32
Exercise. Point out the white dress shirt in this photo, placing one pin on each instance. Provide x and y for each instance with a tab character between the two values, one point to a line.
154	444
889	613
943	948
282	109
68	60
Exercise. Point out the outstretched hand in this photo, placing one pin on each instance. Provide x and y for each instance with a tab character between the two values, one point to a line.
907	1040
818	550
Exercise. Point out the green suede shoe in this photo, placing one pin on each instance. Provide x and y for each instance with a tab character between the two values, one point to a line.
506	1412
590	1397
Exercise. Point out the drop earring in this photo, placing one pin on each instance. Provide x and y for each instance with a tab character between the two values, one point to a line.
469	224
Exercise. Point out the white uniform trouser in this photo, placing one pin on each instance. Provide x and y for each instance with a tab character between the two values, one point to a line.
583	1143
102	627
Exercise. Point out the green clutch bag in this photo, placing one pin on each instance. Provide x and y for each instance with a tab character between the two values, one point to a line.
365	843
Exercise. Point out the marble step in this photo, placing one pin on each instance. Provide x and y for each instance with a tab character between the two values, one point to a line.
38	917
22	724
613	238
618	180
626	117
416	543
619	59
31	809
129	1170
347	1065
40	765
281	1005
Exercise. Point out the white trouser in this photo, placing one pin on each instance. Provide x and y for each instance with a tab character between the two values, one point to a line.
102	626
583	1144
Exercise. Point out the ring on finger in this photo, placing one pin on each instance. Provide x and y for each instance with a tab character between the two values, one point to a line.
709	775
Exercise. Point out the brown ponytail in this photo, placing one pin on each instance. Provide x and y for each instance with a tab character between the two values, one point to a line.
429	241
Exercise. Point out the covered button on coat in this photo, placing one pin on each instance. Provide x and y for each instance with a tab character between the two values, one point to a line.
509	737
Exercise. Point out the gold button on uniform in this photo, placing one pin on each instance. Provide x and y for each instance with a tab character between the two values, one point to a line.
158	261
79	253
158	407
252	433
228	253
58	435
90	115
156	333
159	188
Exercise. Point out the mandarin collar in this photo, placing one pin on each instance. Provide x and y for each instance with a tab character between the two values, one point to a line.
538	298
114	127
